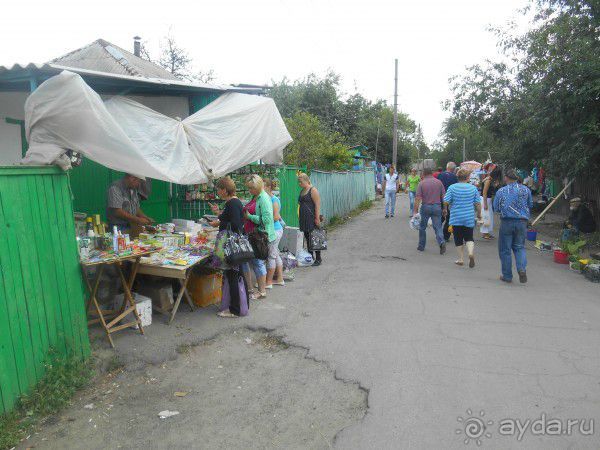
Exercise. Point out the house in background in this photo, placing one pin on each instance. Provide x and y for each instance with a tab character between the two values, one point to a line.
109	70
357	152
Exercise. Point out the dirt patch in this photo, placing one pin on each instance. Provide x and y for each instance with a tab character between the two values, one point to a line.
377	258
244	390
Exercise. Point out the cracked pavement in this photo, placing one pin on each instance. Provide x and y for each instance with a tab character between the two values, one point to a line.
426	339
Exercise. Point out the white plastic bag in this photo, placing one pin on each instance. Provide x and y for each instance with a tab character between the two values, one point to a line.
304	258
415	222
485	217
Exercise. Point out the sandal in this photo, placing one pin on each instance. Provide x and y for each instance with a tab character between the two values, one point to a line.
269	286
459	263
279	283
226	313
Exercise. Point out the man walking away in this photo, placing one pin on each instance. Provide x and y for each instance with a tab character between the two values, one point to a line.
430	193
448	178
411	184
514	203
390	188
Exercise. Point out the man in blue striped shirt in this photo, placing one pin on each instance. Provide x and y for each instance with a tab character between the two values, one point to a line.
514	203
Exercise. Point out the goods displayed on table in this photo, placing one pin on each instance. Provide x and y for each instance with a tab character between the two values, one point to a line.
96	243
180	243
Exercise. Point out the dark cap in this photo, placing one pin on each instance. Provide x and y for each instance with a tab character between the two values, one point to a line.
511	174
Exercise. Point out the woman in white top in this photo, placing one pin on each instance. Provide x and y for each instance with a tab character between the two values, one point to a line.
390	188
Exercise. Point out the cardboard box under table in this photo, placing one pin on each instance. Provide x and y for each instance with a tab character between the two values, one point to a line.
180	273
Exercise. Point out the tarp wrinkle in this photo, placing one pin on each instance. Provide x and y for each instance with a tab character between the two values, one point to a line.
122	134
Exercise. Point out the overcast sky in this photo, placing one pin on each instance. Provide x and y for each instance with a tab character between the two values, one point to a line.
257	41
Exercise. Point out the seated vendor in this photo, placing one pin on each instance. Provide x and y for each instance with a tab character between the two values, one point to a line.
580	219
123	204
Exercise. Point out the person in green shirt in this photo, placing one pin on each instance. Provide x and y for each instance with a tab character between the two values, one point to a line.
412	183
263	218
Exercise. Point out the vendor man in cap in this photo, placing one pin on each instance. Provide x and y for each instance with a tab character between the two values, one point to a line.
123	204
580	219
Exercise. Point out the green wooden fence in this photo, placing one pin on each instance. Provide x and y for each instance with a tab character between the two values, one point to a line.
41	290
341	192
90	182
289	192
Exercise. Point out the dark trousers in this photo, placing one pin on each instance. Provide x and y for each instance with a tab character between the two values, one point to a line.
446	225
316	255
232	278
462	234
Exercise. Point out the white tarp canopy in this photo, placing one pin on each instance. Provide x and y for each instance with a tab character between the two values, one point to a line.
232	131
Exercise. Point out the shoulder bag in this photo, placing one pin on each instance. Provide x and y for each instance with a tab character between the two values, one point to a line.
259	239
237	248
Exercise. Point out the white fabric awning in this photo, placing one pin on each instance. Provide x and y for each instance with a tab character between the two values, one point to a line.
231	132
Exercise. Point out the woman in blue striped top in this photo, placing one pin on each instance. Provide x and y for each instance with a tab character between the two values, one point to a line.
463	199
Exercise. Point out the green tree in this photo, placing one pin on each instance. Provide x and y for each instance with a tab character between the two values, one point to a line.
545	104
313	145
352	119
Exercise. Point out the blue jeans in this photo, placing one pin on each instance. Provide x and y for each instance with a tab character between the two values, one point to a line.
435	212
411	197
390	202
258	265
512	239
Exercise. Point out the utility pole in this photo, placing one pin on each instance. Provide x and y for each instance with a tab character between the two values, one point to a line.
395	141
377	140
464	150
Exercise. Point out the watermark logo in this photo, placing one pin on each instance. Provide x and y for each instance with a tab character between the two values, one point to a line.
474	427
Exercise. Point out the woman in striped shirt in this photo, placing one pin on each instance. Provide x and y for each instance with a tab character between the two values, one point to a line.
463	199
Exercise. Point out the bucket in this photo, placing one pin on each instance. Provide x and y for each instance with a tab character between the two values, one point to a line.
561	257
531	235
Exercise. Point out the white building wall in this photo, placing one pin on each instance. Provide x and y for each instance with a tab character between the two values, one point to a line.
11	105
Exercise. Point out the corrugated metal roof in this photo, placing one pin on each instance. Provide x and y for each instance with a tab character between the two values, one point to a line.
157	81
104	59
103	56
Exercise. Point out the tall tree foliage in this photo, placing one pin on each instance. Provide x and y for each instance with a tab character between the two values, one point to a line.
544	105
353	119
313	146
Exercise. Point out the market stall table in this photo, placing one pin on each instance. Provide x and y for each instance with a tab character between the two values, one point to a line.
128	305
182	273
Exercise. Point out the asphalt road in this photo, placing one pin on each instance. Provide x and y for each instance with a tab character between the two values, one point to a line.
440	349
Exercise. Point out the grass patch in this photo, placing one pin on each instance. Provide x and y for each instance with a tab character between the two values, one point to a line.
336	221
184	349
114	363
64	376
272	343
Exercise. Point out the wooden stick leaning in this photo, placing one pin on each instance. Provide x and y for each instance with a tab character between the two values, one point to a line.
552	203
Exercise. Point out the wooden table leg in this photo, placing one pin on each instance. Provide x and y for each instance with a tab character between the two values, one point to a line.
188	298
182	292
93	300
127	295
93	290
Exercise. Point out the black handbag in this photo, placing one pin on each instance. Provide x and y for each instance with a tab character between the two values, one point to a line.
317	240
237	249
259	241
